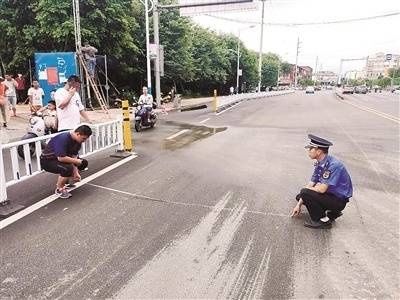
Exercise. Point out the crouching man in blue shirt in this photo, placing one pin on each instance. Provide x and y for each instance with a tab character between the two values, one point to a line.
61	157
329	190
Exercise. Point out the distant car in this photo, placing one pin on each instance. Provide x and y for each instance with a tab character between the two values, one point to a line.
348	90
329	87
395	88
317	88
397	91
360	90
310	90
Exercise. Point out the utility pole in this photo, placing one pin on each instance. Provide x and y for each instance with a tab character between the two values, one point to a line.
297	58
315	70
156	15
261	46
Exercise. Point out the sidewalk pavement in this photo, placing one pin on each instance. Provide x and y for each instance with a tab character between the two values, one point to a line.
17	125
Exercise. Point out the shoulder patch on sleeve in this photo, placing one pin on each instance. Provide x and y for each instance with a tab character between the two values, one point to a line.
326	174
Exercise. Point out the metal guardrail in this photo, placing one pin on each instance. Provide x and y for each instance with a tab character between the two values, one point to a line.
227	101
105	135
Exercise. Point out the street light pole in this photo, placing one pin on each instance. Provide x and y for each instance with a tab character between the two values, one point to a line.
261	45
237	67
146	8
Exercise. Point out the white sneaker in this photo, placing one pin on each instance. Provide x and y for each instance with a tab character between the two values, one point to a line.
63	193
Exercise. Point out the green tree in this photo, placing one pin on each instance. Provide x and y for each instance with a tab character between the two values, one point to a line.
269	71
286	68
305	82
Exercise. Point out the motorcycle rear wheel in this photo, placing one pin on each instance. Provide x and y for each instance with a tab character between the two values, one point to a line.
138	125
32	150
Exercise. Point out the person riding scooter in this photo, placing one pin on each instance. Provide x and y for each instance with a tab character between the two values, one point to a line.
146	101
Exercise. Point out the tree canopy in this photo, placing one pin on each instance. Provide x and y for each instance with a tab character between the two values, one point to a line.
196	60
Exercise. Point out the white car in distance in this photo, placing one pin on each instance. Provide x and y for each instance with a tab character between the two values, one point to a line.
310	90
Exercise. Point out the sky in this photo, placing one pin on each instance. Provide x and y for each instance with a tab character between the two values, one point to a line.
330	43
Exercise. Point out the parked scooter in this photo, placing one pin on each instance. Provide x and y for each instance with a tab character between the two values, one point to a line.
145	116
36	128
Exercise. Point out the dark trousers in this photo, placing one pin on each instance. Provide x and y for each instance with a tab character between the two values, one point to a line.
318	203
21	96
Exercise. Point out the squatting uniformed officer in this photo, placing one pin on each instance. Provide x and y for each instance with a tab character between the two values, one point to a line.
329	190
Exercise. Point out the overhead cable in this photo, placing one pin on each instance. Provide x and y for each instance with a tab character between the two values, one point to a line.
309	23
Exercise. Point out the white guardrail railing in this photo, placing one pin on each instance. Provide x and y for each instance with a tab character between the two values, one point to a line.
227	101
104	136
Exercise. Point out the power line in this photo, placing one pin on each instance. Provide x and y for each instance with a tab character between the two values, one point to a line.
310	23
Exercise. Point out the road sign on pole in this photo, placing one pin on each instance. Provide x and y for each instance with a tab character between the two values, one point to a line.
388	56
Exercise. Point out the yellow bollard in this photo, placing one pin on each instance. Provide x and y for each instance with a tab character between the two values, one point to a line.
127	133
215	102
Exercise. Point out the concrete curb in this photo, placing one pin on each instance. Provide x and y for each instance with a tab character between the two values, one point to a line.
250	97
339	96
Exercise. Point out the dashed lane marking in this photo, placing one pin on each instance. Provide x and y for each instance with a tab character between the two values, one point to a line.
201	122
177	134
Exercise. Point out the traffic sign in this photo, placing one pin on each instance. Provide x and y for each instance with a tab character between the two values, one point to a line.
388	56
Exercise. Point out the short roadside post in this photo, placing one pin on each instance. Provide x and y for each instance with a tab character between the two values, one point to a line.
215	101
125	133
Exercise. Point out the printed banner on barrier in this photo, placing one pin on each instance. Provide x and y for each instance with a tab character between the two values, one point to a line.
53	70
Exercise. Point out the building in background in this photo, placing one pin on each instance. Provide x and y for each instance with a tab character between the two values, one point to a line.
303	72
325	77
355	74
380	63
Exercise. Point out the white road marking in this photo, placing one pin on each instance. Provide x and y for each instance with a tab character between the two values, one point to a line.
177	134
225	110
204	120
376	112
51	198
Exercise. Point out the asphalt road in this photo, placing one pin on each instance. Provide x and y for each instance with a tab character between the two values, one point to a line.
205	214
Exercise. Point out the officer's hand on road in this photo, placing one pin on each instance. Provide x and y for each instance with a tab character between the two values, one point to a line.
296	211
77	176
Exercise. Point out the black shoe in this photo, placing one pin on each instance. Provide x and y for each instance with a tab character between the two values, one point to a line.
318	224
5	125
333	215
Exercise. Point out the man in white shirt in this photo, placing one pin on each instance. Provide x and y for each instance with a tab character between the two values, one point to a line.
69	105
35	94
147	101
145	98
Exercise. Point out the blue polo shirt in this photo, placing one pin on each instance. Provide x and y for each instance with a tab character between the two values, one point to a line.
333	173
61	145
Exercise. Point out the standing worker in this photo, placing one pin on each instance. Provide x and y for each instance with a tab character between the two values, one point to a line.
21	87
329	190
11	93
89	53
69	105
35	94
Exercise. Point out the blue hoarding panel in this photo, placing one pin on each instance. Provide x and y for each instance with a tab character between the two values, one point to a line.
53	70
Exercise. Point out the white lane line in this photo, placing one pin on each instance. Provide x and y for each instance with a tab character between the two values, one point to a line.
177	134
204	120
51	198
143	197
376	112
225	110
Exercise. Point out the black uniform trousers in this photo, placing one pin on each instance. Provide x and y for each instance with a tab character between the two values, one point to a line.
318	203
